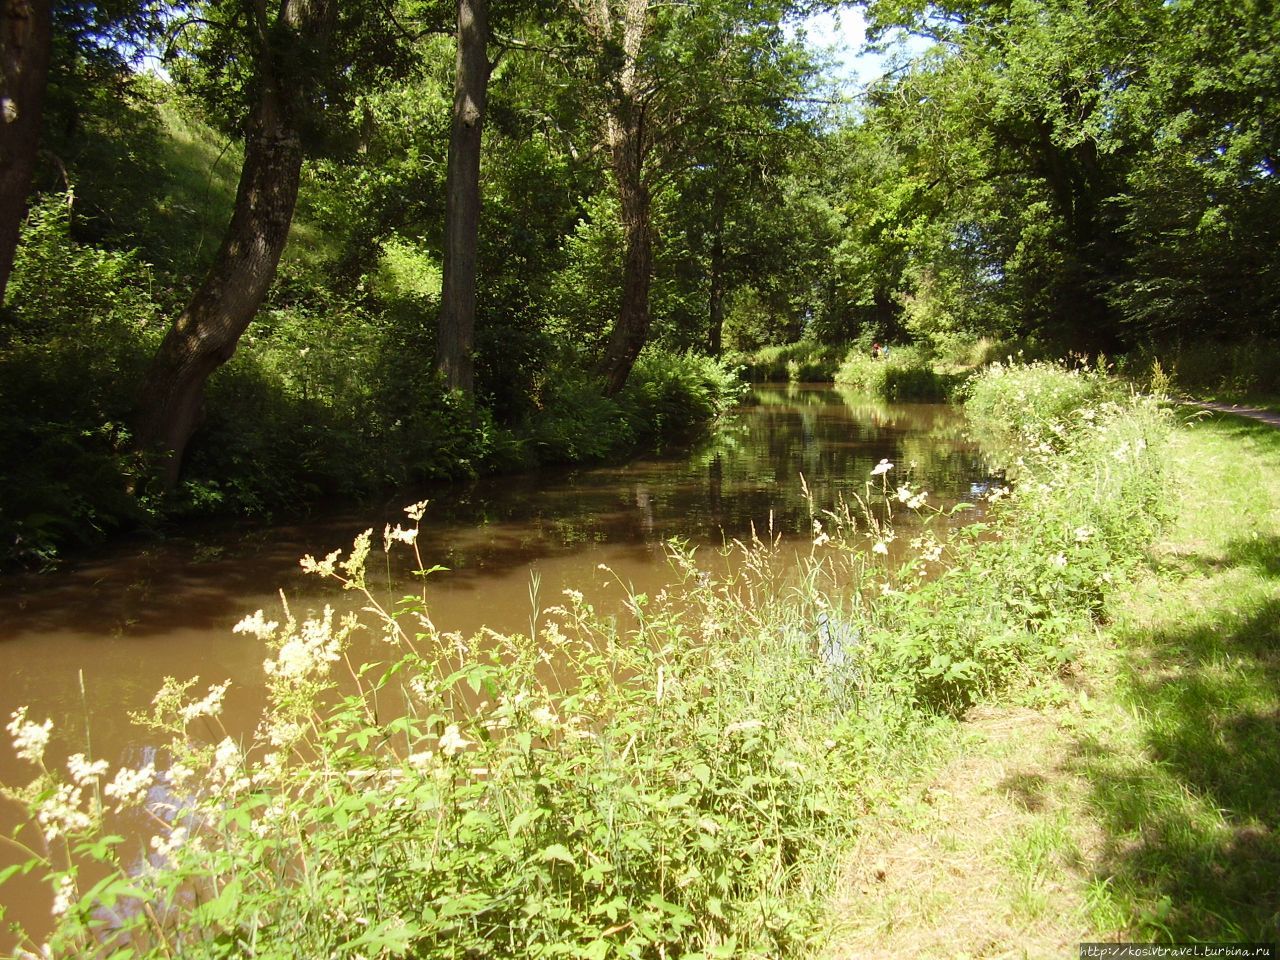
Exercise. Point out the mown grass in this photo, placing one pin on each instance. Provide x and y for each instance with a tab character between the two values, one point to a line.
1184	758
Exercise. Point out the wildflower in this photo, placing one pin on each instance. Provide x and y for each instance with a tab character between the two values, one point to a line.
575	596
130	786
452	741
1059	560
881	548
66	893
210	706
416	510
1083	534
544	716
418	686
59	813
257	625
178	775
353	566
997	493
881	468
167	846
325	568
390	536
226	760
83	772
310	651
29	739
743	726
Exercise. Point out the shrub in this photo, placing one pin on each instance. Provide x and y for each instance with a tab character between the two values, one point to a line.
1034	403
1091	493
801	362
906	374
667	398
81	327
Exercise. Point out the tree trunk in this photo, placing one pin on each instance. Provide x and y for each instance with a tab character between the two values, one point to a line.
632	326
715	333
455	336
25	37
206	333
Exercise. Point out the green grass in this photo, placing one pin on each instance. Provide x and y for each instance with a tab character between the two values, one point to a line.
1184	760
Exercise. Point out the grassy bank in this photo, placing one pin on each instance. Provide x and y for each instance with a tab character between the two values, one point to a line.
905	373
1135	794
682	783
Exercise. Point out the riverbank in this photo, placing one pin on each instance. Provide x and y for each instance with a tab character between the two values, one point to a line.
1132	797
684	778
263	452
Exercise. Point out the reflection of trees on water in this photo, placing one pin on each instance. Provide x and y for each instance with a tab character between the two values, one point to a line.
745	470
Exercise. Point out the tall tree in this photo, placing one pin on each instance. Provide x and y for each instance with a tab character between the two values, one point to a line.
455	336
280	67
661	78
25	41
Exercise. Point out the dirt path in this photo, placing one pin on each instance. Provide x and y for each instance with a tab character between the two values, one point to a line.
1253	413
988	860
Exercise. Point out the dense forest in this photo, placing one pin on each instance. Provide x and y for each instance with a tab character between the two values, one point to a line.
255	253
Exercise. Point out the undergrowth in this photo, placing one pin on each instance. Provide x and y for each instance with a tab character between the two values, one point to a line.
677	785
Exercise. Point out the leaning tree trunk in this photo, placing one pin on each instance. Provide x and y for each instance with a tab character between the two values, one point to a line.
455	332
205	334
25	36
631	329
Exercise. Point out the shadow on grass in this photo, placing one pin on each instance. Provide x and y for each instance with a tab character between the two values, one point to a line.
1192	824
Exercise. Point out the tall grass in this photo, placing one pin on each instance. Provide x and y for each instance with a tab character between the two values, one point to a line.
677	785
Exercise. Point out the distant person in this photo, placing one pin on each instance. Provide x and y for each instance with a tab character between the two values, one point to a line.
884	352
875	351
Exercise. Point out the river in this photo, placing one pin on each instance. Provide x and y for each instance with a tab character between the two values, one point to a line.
87	644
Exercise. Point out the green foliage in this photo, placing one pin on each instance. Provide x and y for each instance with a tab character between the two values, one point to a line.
80	325
907	373
668	397
1234	371
1033	404
678	785
800	362
1082	511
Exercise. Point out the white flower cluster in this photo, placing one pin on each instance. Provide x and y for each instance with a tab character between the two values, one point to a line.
130	786
881	468
390	536
257	625
59	815
84	773
307	652
210	706
29	739
452	742
913	499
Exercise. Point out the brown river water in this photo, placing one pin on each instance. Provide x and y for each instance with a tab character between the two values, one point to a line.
85	645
